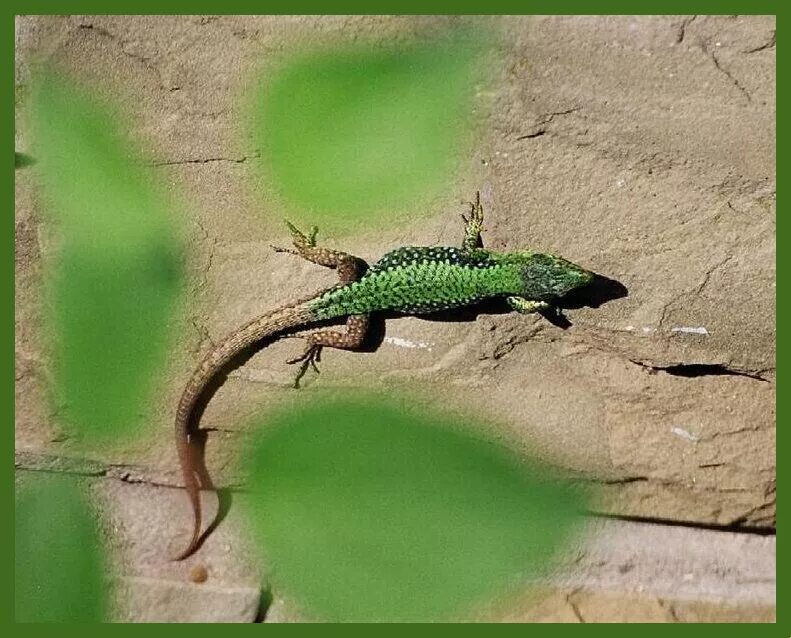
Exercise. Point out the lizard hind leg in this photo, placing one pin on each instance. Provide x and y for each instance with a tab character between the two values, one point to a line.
349	267
473	225
350	339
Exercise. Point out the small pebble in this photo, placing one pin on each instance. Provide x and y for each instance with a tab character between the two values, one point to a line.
199	574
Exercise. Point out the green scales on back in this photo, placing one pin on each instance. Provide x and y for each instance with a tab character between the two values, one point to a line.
418	279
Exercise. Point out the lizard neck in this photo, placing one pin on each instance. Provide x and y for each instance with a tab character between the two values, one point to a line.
500	274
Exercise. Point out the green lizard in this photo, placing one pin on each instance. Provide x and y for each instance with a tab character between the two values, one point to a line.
412	280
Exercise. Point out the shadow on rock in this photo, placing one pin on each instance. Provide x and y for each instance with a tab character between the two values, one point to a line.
599	291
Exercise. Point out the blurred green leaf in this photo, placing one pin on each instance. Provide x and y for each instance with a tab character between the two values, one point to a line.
58	562
21	160
353	131
117	274
368	513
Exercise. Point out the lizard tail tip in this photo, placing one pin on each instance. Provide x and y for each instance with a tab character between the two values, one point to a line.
192	547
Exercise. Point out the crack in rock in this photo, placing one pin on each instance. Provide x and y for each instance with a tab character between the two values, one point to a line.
89	26
213	243
682	29
669	608
530	136
710	272
546	118
592	340
743	520
624	480
148	62
573	605
201	160
769	44
203	335
729	75
89	469
717	435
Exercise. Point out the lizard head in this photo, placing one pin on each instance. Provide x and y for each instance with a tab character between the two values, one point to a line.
546	277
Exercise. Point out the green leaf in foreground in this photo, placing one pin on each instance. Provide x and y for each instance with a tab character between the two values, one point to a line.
351	131
115	279
368	513
22	161
58	562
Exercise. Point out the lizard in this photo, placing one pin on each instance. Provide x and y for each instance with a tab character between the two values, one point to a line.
411	280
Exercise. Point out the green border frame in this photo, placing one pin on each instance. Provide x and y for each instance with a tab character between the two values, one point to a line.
32	7
426	7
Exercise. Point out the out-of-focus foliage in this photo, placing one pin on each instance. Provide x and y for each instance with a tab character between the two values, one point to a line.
366	512
21	160
354	132
115	280
58	563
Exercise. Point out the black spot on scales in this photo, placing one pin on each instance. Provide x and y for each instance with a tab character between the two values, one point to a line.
412	255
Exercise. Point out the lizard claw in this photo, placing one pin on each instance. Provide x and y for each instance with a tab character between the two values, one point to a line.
476	210
279	249
292	228
301	239
473	224
310	357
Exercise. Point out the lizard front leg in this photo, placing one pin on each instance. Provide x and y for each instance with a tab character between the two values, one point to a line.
351	339
526	306
473	226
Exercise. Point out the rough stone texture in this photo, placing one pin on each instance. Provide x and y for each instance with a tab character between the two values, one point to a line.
673	562
549	605
641	147
617	571
638	572
147	526
151	600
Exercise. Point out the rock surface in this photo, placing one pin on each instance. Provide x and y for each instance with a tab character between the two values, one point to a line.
617	571
641	147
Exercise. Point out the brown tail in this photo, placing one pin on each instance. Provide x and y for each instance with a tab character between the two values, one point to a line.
273	323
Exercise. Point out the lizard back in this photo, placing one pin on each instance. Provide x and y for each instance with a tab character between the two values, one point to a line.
421	279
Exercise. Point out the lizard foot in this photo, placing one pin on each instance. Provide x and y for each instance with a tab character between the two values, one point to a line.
310	357
349	267
473	225
526	306
301	241
476	212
